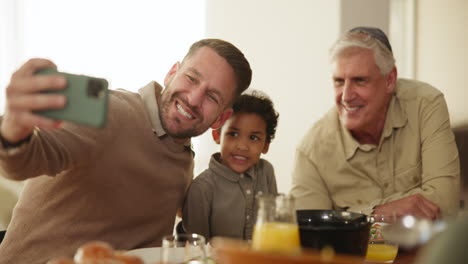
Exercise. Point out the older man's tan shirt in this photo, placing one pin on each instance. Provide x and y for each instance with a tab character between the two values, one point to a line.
416	154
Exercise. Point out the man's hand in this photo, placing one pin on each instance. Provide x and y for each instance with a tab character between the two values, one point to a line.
416	205
23	97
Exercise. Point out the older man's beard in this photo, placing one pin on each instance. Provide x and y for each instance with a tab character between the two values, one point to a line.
174	132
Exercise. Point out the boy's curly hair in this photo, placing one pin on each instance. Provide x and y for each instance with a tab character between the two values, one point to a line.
258	103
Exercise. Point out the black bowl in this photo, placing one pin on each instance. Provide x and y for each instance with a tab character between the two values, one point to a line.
346	232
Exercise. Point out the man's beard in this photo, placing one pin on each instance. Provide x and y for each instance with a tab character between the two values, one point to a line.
174	131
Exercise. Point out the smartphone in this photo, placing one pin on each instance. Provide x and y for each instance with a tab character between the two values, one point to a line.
86	99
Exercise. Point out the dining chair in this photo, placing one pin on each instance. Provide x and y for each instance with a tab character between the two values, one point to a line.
2	235
461	138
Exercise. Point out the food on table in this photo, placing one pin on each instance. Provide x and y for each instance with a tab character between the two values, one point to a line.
94	250
98	252
376	232
61	261
128	259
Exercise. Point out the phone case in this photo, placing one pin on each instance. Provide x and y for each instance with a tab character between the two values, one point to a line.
86	100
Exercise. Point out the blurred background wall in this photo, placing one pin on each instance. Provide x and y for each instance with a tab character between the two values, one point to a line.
441	54
286	41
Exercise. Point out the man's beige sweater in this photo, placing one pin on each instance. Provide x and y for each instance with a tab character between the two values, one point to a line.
122	184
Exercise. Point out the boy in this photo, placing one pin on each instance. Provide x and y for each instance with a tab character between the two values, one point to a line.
221	200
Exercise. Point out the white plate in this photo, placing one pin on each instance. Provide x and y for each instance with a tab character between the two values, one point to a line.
148	255
152	255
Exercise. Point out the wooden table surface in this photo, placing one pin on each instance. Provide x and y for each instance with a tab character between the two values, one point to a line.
406	256
229	251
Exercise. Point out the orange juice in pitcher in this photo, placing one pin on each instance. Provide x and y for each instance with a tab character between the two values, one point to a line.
276	229
384	253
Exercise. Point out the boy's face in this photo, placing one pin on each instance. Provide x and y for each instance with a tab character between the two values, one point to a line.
243	138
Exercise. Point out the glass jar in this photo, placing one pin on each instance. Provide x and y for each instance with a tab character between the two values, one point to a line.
276	228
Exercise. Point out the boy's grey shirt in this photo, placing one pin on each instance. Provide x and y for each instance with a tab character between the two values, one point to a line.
221	202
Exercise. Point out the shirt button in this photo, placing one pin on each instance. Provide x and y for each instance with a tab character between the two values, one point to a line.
385	185
415	179
247	217
359	201
242	176
248	191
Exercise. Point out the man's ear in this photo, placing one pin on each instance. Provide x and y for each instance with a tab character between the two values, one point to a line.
216	133
222	118
266	147
171	73
391	80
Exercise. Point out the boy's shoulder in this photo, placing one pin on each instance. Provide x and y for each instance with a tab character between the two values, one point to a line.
206	177
203	183
264	164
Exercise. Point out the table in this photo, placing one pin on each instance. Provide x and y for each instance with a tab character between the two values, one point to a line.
406	256
150	254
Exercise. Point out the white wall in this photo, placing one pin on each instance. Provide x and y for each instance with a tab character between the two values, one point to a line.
128	42
365	13
442	53
287	44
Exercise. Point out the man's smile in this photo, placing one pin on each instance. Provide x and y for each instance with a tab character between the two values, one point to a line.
182	111
351	109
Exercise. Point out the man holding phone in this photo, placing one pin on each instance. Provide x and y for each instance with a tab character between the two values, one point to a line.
123	183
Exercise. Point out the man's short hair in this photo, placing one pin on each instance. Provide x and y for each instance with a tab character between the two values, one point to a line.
367	38
234	57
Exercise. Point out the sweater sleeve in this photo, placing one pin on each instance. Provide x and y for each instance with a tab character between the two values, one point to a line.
50	152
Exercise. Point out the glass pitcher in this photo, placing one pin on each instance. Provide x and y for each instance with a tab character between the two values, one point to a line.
276	228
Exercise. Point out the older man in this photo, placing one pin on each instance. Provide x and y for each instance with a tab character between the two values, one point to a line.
121	184
387	147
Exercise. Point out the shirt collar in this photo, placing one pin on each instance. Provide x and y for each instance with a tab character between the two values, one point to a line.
151	96
350	144
226	172
396	118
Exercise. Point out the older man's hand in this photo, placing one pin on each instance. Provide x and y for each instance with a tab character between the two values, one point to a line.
416	205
